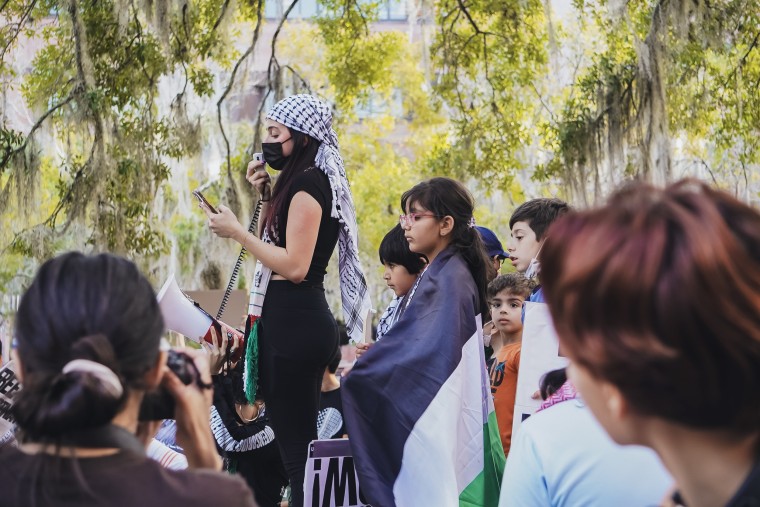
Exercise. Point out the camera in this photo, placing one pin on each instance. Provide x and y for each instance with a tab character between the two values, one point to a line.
159	404
258	157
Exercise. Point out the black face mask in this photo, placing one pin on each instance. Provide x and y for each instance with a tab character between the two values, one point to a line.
273	154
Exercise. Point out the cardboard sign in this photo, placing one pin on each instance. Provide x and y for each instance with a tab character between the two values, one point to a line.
9	386
539	355
236	310
331	479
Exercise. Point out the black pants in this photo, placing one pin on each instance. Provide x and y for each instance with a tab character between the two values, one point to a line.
298	338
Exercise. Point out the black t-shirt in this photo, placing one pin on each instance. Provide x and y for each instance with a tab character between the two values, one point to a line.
250	447
748	494
125	479
315	183
330	419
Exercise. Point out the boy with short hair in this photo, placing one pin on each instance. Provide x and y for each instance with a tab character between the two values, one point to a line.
402	268
529	224
506	295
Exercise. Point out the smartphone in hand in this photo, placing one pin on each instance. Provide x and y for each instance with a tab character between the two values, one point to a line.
198	195
265	190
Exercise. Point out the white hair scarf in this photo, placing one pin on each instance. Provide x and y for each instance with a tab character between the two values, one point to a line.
311	116
108	379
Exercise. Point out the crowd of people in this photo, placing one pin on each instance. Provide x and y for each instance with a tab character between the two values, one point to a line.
654	295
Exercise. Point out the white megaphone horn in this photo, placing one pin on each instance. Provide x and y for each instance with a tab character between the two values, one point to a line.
181	315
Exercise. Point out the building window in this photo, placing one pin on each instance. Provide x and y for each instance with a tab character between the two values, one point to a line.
388	10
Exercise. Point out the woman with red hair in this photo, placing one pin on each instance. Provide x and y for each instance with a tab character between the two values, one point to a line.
656	300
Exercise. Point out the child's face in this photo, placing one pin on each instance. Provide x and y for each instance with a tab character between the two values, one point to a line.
523	246
422	230
398	278
506	312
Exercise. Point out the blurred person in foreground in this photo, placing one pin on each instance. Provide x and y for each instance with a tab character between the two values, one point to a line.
656	301
88	332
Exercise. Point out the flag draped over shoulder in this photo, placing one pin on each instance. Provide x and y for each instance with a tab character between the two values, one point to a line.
418	404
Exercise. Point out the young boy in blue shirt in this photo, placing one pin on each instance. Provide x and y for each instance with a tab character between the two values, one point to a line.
529	224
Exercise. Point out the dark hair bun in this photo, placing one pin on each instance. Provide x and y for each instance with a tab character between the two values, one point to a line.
95	308
53	404
72	401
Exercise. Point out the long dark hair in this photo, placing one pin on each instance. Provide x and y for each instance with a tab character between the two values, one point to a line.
302	158
82	307
447	197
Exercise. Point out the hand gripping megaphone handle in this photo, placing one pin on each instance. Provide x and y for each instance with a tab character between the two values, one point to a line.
217	326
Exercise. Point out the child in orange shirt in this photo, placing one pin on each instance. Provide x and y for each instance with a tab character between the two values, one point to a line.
506	295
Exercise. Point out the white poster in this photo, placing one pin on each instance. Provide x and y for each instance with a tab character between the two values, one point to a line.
539	355
9	386
331	479
6	337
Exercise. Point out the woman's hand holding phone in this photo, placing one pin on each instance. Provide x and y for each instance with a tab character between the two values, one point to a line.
224	223
258	177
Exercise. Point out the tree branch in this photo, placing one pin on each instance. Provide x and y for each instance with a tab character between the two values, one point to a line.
300	77
742	60
225	5
66	198
20	26
541	99
469	18
273	58
35	127
231	82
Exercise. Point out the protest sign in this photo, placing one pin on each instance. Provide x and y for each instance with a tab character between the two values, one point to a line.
235	311
9	386
331	479
539	355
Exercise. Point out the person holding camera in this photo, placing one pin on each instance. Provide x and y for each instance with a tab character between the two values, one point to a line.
310	211
88	331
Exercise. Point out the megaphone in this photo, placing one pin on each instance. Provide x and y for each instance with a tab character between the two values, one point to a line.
186	317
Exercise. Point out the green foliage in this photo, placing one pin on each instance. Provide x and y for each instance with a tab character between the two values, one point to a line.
97	76
10	139
707	62
350	44
489	54
492	92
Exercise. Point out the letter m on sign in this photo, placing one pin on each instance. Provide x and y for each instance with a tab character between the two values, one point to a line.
338	480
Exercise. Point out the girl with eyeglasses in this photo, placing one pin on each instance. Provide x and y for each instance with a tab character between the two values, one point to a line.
394	393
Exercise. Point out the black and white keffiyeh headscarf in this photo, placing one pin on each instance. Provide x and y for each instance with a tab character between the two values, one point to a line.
311	116
389	316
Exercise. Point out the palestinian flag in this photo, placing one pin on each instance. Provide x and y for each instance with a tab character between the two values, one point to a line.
418	404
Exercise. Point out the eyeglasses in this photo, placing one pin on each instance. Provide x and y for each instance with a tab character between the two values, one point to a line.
408	220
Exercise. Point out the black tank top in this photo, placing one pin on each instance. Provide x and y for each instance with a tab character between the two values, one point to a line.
315	183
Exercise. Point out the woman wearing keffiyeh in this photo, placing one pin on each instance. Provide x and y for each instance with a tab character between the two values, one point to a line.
309	212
